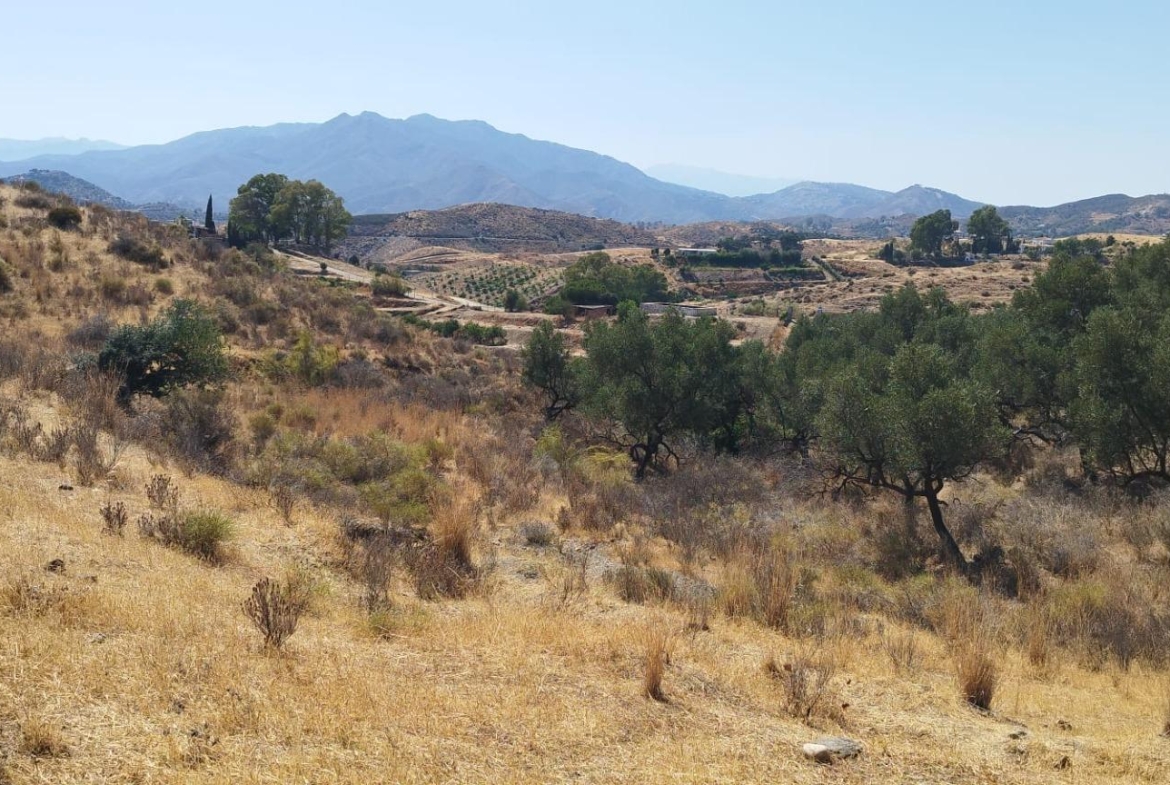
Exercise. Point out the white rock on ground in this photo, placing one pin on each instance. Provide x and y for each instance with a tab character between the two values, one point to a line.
830	749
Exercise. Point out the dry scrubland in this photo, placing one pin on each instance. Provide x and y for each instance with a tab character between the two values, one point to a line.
481	600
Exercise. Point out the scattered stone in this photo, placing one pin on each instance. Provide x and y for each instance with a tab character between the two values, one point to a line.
64	487
56	565
1064	725
1019	734
830	749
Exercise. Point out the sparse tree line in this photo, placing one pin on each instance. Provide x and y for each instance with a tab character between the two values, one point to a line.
933	236
271	208
907	399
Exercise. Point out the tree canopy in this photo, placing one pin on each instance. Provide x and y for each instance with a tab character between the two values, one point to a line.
908	399
989	232
595	279
930	232
271	208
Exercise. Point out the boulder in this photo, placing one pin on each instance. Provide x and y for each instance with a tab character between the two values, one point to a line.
830	749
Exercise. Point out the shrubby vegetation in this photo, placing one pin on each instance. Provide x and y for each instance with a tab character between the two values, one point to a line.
491	335
907	399
595	279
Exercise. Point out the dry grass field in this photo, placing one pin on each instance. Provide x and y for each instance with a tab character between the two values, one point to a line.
541	618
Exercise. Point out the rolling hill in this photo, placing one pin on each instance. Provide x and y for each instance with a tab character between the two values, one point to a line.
1111	213
81	191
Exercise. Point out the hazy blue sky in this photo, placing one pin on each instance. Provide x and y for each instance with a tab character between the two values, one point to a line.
1036	101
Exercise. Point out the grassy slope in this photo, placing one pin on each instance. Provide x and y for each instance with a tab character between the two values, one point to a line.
147	670
138	664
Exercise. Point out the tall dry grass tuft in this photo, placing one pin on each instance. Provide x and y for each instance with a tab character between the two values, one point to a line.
903	650
966	623
1038	635
445	566
39	738
658	646
762	585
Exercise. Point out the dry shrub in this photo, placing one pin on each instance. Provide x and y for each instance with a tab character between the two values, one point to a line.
776	579
1062	538
1117	614
21	595
807	678
571	582
600	490
114	517
642	584
377	569
658	647
708	504
93	395
199	428
162	493
537	534
699	605
900	545
282	495
275	607
1038	635
91	460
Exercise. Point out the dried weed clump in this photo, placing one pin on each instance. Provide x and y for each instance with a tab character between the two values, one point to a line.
808	680
275	607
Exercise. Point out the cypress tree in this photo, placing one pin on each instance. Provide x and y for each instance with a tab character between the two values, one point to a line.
208	221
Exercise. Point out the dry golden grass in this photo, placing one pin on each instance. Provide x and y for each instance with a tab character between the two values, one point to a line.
147	669
138	663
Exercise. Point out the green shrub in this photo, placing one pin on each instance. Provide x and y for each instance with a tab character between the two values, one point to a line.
164	286
134	250
182	347
388	286
65	218
204	532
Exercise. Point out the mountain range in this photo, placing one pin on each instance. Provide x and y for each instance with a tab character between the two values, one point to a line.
19	149
381	165
725	183
386	166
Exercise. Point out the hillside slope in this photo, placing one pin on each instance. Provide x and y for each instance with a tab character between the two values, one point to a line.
479	601
1113	213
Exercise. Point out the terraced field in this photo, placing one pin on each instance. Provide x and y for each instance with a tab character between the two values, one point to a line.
488	283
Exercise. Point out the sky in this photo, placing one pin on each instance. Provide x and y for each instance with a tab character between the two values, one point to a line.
1029	101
